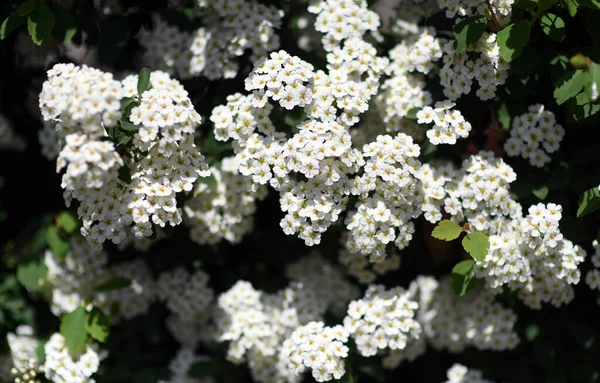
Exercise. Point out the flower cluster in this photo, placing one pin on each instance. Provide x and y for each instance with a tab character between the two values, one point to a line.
230	28
383	319
462	374
480	62
24	365
592	278
534	135
62	367
225	208
319	348
189	298
498	10
181	365
448	125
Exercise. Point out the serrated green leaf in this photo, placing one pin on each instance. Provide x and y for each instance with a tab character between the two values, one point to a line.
68	222
115	283
570	85
143	80
59	245
468	31
40	23
477	245
581	108
12	22
65	27
463	277
541	192
553	26
26	7
97	325
32	274
589	202
72	328
128	126
512	39
446	230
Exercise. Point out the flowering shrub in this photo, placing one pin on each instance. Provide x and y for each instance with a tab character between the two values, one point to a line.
297	191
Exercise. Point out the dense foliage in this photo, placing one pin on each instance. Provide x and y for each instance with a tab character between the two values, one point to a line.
284	191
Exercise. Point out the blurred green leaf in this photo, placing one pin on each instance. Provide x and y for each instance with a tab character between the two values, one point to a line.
26	7
463	277
143	80
32	274
589	202
68	222
59	245
40	23
72	328
97	325
115	283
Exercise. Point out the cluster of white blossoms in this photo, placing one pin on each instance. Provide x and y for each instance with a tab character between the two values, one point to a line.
362	268
223	209
282	78
454	323
534	135
23	365
462	374
342	19
84	103
592	278
388	191
448	125
382	319
189	298
61	367
481	62
8	139
499	11
319	348
257	324
229	29
74	280
181	365
531	256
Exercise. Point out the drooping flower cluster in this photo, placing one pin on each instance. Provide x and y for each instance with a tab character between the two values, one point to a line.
481	62
462	374
534	135
448	125
383	319
230	28
84	103
223	209
62	367
189	298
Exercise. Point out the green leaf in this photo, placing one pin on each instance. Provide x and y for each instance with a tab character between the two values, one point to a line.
59	245
73	329
412	113
26	7
115	283
468	31
143	80
512	39
463	277
68	222
569	85
32	274
581	107
114	37
97	325
541	192
127	103
477	245
40	24
128	126
589	202
572	6
122	138
553	26
12	22
40	351
446	230
65	27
